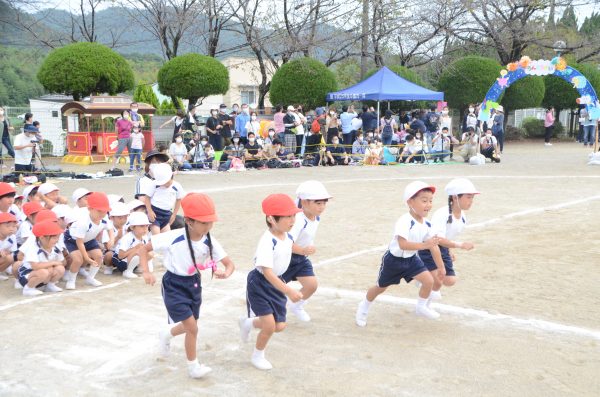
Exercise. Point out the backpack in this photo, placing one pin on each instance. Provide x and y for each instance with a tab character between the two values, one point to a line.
315	127
432	121
387	129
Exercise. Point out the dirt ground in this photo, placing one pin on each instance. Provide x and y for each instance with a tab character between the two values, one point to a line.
523	319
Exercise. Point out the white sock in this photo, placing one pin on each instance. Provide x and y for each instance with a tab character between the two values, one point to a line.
366	304
133	264
73	276
192	363
258	353
167	333
93	271
421	302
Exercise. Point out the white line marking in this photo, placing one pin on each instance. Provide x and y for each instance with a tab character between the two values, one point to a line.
541	325
60	294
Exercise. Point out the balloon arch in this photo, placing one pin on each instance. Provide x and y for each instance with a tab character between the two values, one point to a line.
526	67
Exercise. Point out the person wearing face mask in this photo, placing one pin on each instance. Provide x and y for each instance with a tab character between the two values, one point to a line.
254	153
233	152
196	154
179	154
489	146
332	124
136	119
359	147
252	125
335	154
300	121
178	120
278	121
290	123
241	121
213	127
373	153
470	119
6	129
226	123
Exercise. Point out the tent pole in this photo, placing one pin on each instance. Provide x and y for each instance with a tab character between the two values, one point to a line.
388	105
378	118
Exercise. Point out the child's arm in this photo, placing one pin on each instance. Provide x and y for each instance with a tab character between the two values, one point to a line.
406	245
45	265
439	262
229	268
143	250
175	211
291	293
86	258
146	200
111	238
296	249
456	244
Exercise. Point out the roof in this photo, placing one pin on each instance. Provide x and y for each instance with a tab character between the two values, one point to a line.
53	98
104	105
385	85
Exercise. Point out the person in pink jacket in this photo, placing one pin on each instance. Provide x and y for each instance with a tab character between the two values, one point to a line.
549	124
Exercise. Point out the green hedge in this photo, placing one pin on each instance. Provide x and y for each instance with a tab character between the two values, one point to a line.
534	128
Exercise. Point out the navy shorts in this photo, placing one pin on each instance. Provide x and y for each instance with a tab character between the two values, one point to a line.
427	259
23	279
300	266
162	217
393	269
262	298
71	245
119	263
182	296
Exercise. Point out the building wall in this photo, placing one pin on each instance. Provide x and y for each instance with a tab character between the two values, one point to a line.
50	118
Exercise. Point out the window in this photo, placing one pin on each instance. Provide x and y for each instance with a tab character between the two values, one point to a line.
55	113
248	95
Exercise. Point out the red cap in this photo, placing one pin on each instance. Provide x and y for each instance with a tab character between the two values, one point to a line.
6	188
200	207
98	201
7	217
279	205
46	215
32	207
46	228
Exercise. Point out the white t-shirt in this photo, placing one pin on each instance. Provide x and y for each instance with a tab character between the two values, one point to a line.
299	127
356	123
13	209
145	185
136	140
304	230
437	145
273	253
85	229
164	197
33	241
489	139
34	253
23	156
24	231
129	241
178	152
441	227
415	146
412	231
9	243
177	258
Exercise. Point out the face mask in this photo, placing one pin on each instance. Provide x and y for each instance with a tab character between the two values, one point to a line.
178	140
370	136
251	140
471	110
271	133
214	113
332	113
335	142
236	140
235	108
245	110
203	142
360	140
444	112
372	146
134	110
223	110
253	118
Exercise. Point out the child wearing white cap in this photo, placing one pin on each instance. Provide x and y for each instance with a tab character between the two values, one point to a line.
117	220
447	223
80	197
126	257
50	195
163	199
312	199
412	233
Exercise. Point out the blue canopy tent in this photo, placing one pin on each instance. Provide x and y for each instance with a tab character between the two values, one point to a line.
385	85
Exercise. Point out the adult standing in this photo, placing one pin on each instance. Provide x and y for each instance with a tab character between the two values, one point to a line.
470	119
332	124
498	127
123	128
178	120
432	122
226	122
388	127
369	119
348	114
252	125
24	149
6	128
549	125
278	121
589	128
136	118
290	123
241	122
213	126
301	121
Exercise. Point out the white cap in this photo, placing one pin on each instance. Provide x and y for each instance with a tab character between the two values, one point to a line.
61	210
312	190
75	214
79	193
118	209
162	173
135	203
47	187
27	191
114	199
415	187
460	186
291	108
500	108
138	219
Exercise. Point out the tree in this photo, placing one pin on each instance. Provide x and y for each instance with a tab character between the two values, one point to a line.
193	77
524	94
560	94
144	93
467	80
569	20
303	81
82	69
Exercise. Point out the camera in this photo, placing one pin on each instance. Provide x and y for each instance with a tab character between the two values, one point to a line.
34	141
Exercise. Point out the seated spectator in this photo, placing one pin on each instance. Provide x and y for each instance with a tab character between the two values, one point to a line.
359	147
233	152
469	141
268	141
414	151
441	145
196	155
178	152
335	154
489	146
373	153
254	155
282	157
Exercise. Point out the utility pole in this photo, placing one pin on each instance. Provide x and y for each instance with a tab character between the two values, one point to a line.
365	39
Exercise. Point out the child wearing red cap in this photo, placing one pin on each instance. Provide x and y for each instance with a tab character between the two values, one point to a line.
8	243
30	209
187	251
81	239
7	201
44	263
265	289
412	233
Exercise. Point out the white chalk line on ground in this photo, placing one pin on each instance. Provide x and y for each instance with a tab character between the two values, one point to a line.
404	178
540	325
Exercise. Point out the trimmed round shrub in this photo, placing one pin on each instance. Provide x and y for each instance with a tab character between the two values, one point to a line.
524	94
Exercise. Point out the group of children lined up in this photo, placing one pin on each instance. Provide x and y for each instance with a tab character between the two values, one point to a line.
60	237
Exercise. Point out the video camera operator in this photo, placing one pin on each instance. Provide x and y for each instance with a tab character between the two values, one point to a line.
469	141
24	145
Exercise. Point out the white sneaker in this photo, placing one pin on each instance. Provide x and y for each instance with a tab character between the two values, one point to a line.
108	270
426	312
361	315
245	328
51	287
199	371
164	343
434	296
28	291
66	276
128	274
93	282
18	285
3	277
298	309
548	144
83	272
261	363
70	284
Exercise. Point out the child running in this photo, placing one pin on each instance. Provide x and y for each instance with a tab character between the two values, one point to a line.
265	289
312	199
412	232
187	251
447	223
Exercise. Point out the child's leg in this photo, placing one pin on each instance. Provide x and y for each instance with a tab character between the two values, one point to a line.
426	279
37	277
166	228
96	256
154	229
267	326
108	259
374	292
56	273
189	327
449	281
309	286
133	261
131	160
